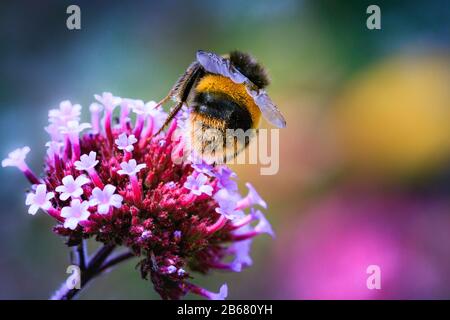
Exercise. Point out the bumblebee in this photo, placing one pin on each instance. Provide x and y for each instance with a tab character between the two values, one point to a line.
226	95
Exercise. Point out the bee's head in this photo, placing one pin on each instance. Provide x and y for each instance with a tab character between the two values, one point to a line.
250	68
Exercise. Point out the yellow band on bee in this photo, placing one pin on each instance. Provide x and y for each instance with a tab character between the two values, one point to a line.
237	92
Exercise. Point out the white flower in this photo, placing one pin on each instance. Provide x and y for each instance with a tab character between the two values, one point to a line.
205	168
241	251
78	211
253	198
198	184
148	109
16	158
223	293
74	127
54	132
95	107
126	143
127	103
158	115
108	100
66	112
71	188
130	168
86	162
105	198
227	202
141	108
263	225
171	269
39	199
54	148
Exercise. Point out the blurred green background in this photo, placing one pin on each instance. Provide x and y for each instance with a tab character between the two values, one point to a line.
364	162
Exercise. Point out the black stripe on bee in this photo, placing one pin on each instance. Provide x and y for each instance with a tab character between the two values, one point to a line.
219	106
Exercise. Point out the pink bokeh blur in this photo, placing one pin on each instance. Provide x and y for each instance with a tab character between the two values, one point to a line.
327	253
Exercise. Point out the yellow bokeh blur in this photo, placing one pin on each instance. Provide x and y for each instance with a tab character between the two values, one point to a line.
394	118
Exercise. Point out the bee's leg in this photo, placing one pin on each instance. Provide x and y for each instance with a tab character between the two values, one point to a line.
172	114
173	93
180	91
183	85
160	103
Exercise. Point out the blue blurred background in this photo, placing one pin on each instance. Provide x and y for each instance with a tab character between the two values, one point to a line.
364	167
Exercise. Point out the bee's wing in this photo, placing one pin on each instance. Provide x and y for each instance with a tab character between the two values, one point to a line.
214	63
267	107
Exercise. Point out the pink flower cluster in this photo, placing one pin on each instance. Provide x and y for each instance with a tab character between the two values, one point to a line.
120	184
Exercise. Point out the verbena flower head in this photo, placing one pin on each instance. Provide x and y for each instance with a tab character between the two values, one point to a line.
121	185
